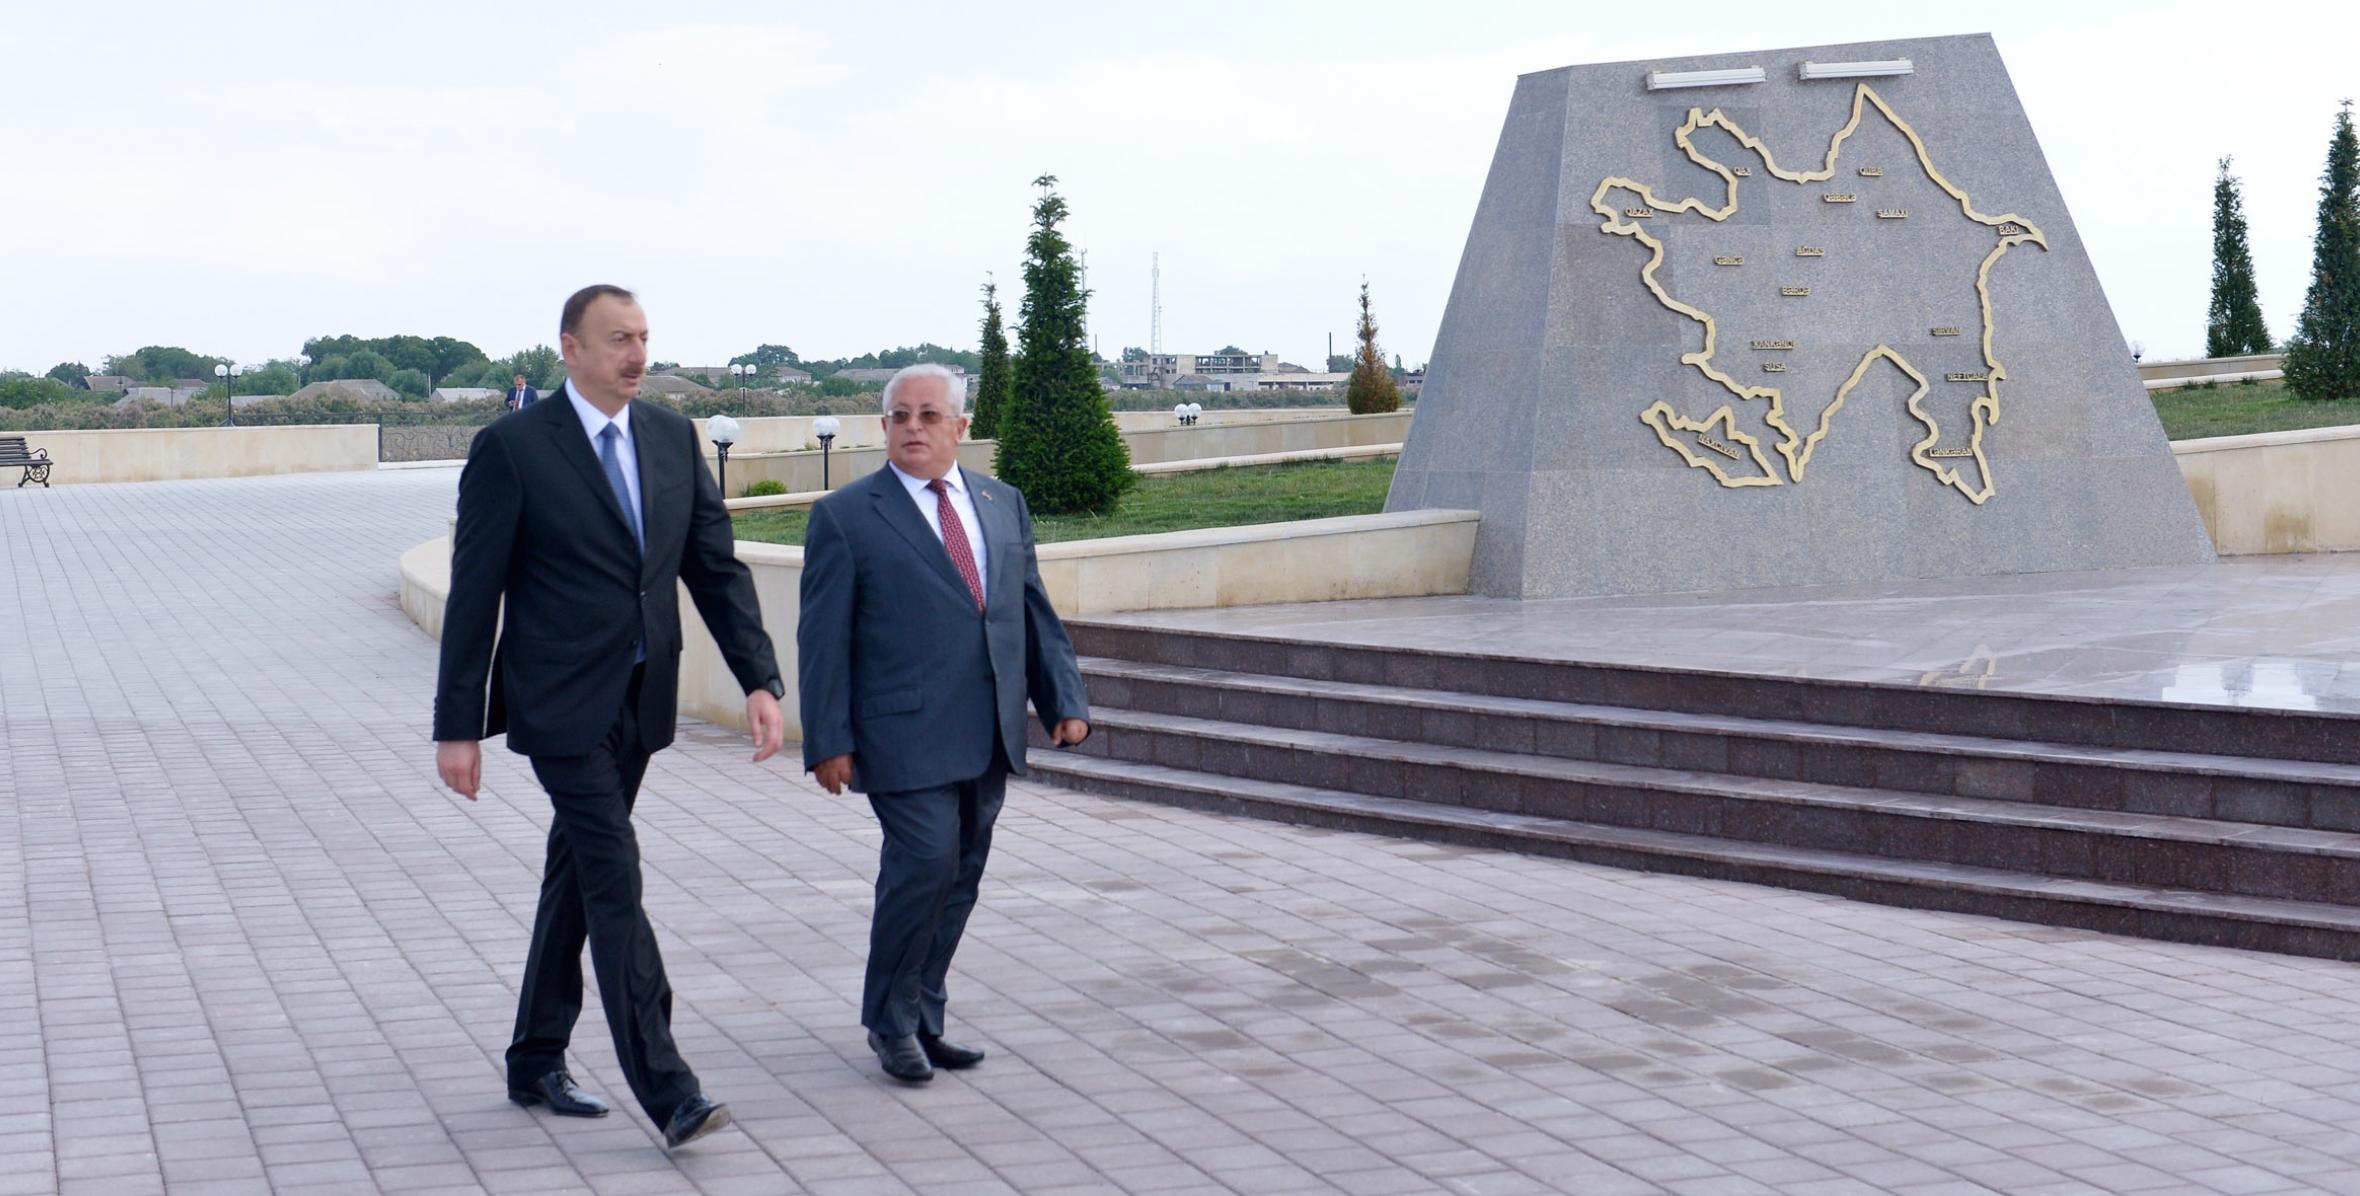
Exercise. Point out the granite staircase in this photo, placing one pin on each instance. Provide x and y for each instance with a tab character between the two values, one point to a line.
2230	826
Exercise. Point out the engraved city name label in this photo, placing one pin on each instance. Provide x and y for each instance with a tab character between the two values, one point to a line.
1892	213
1729	261
1966	377
1773	367
1640	213
1945	330
1774	344
1810	251
1716	446
1743	172
1872	172
1840	197
1968	452
2011	228
1794	292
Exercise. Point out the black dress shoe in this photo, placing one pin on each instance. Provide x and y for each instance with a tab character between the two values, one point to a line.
949	1056
693	1120
901	1057
557	1090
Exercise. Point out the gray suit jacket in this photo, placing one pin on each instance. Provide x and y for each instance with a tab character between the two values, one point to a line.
898	668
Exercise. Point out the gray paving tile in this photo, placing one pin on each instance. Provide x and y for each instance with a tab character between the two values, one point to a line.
257	946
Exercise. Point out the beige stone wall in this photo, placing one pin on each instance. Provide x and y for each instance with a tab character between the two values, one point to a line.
1402	555
799	470
792	433
1167	443
2277	491
163	454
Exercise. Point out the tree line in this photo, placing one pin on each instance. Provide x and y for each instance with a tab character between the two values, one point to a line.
2323	355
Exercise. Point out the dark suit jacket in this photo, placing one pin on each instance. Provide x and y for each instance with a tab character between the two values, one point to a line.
539	524
897	667
518	400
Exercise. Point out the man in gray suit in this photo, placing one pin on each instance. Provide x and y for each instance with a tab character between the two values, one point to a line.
924	628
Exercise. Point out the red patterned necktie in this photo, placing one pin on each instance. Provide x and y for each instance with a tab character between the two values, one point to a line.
954	538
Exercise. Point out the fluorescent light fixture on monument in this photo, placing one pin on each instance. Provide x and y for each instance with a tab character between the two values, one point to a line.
1667	80
1858	70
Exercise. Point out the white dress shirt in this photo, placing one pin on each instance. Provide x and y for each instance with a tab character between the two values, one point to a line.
962	502
594	423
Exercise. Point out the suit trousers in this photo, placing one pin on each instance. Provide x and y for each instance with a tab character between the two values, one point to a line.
590	888
936	842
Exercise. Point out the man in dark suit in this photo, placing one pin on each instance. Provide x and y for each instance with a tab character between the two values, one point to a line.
923	629
521	395
586	513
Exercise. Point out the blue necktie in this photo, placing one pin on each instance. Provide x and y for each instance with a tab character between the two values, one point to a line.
608	437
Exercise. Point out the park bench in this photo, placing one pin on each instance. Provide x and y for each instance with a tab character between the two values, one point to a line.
35	462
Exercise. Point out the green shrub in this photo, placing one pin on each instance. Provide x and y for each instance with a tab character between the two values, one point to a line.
765	488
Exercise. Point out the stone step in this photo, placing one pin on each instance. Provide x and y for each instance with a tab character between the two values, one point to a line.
2289	926
2295	793
1873	706
2130	848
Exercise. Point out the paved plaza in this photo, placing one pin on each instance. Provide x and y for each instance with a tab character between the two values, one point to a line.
249	945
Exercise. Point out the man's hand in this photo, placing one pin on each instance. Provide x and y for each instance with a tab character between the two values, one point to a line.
834	773
460	761
1069	732
768	723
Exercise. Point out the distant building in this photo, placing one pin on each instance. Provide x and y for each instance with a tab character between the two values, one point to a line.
107	384
463	394
358	390
1297	379
1164	371
788	373
168	396
864	376
1220	372
710	375
671	386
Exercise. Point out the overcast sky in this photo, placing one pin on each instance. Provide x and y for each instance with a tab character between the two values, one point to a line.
840	178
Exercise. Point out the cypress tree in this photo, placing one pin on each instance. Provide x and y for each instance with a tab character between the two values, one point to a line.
1058	442
1371	390
991	390
2234	325
2323	358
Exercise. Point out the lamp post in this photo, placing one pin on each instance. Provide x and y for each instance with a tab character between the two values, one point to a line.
738	373
229	404
724	432
825	427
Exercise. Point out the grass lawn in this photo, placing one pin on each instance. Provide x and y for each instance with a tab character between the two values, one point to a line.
1180	501
2237	408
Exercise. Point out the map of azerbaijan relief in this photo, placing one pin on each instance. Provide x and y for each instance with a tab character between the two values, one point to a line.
1870	274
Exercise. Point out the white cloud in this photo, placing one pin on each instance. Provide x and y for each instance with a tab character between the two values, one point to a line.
240	183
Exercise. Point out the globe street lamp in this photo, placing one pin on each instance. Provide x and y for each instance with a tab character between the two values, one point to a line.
228	388
825	427
724	432
738	372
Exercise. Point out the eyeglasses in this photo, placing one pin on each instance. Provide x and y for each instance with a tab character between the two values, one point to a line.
929	417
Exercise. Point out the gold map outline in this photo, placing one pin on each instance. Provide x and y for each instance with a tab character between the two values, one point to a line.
1983	412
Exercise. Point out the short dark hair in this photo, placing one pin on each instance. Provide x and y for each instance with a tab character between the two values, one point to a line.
571	320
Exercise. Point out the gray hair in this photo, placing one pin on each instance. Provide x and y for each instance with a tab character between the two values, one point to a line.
954	384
